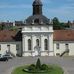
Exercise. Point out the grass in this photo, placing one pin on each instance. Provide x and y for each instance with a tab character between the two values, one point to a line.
54	70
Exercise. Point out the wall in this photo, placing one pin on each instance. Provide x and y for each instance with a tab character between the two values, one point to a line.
13	47
41	33
45	28
63	47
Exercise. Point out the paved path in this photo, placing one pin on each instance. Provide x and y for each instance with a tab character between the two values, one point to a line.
67	63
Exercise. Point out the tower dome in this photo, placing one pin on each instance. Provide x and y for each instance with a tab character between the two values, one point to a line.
37	17
37	2
37	7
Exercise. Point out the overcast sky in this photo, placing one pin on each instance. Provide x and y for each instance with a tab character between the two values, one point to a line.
20	9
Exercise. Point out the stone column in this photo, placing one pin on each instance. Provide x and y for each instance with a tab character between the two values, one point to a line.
50	44
42	45
33	44
25	45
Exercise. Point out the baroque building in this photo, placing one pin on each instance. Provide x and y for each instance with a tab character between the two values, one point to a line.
37	37
38	31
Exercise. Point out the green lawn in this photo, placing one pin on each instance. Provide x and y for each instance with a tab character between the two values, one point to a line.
55	70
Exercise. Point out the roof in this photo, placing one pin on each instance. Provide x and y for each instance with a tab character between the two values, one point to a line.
41	18
37	2
63	35
58	35
8	35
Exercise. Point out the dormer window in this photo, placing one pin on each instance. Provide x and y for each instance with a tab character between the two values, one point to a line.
36	20
41	22
32	21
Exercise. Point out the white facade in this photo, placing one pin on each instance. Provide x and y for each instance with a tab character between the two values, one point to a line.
63	45
10	47
44	32
37	37
5	48
41	33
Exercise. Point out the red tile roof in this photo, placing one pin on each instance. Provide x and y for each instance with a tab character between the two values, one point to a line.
58	35
6	35
63	35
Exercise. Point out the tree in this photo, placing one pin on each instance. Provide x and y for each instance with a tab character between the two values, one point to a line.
56	23
38	64
68	24
2	27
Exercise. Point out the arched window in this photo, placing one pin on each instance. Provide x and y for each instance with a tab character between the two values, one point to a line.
36	20
29	44
37	42
46	44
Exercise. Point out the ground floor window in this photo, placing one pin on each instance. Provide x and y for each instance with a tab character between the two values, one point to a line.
0	47
57	46
37	42
17	46
46	44
29	44
67	46
8	46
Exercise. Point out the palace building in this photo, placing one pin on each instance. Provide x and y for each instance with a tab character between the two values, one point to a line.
37	37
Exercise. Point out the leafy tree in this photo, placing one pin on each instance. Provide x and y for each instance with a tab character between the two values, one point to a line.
2	27
56	23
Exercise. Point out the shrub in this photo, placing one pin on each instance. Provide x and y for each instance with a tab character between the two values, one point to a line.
38	64
44	67
31	67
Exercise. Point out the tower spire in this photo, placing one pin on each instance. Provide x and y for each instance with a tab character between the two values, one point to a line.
37	7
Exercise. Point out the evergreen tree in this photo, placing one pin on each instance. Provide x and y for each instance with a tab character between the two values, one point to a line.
38	64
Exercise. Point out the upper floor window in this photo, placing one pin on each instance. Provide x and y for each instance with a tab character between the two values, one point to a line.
57	46
29	44
36	21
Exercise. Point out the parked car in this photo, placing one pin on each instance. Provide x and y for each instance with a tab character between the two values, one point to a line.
7	56
2	58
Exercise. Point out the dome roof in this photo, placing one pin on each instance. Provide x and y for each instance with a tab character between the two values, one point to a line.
37	19
37	2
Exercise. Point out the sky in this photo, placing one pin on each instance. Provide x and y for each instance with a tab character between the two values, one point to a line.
19	10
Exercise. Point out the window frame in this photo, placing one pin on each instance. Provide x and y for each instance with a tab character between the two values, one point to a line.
29	45
58	46
67	46
46	44
0	47
37	42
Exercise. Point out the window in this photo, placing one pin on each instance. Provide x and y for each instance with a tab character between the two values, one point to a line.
29	44
67	46
0	47
17	46
8	46
57	45
37	42
46	44
36	20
